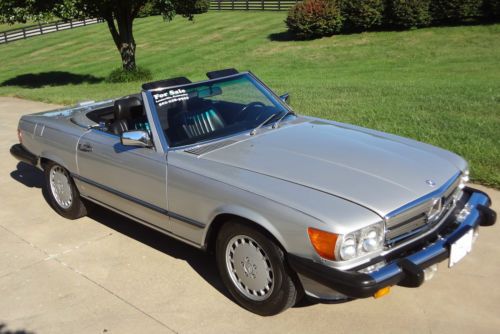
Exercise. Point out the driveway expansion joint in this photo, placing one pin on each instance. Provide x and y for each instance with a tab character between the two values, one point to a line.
55	257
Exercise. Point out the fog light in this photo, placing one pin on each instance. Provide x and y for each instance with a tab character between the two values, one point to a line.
429	272
382	292
372	268
464	213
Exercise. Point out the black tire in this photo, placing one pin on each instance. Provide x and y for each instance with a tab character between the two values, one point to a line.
77	208
285	291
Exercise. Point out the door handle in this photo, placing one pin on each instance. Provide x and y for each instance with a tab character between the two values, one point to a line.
85	147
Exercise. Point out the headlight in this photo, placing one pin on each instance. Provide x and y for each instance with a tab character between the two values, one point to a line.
367	240
348	249
372	238
342	247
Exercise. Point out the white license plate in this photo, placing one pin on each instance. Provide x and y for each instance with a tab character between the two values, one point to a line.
460	248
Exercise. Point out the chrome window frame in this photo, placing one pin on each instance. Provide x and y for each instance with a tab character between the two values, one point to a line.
158	133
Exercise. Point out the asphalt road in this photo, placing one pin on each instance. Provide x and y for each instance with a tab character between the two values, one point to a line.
107	274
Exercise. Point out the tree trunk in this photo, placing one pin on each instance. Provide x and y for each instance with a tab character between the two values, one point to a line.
123	36
127	52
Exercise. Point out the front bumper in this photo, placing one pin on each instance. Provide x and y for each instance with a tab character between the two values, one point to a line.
407	267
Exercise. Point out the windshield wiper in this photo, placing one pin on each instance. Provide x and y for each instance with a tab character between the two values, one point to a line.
288	112
254	131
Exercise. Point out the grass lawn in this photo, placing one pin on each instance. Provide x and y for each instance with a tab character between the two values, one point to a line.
437	85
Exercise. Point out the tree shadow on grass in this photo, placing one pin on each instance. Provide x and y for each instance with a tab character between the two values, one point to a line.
284	36
53	78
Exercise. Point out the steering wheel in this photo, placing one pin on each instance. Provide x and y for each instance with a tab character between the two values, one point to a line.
250	105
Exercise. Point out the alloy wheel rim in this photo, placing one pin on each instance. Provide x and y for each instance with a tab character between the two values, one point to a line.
249	268
60	187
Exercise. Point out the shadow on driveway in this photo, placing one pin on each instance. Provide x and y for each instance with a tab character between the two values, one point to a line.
202	262
5	330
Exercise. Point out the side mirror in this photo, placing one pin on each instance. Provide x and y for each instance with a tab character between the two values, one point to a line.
285	98
136	138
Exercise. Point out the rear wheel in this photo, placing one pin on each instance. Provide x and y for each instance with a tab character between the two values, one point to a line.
253	269
62	194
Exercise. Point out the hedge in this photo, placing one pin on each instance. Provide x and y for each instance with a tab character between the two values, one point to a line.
363	14
455	10
315	18
408	13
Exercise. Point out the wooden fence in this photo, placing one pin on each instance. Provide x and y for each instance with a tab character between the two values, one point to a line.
41	29
252	4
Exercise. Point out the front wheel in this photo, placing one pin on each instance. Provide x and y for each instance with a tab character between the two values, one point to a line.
253	269
62	194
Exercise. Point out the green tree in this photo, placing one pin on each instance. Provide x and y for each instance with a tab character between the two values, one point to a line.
118	14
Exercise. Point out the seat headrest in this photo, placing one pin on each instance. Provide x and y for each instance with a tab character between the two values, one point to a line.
126	106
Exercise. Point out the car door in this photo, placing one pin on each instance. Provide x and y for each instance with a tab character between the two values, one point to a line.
130	180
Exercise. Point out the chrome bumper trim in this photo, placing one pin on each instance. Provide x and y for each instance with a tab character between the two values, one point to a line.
440	247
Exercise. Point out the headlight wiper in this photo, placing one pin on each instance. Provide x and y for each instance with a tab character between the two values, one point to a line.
254	131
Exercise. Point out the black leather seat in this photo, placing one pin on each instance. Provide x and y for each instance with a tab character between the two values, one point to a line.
126	110
197	118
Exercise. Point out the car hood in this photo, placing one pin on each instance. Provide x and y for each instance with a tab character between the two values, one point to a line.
372	169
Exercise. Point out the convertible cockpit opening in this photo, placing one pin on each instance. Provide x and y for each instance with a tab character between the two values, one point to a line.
220	107
129	115
126	114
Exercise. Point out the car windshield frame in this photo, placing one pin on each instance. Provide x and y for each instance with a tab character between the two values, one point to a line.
257	83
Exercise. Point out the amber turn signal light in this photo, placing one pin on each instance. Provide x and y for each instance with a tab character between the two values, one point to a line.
382	292
323	242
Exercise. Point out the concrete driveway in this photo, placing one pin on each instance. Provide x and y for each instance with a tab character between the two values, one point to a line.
107	274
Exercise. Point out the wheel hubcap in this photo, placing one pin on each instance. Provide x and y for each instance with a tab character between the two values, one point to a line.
60	187
249	268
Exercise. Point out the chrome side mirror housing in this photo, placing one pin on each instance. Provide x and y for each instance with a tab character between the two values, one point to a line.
136	138
285	98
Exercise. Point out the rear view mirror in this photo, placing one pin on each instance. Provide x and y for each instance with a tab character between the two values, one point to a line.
136	138
285	98
210	91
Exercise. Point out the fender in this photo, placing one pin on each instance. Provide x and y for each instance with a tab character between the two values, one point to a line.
52	157
248	214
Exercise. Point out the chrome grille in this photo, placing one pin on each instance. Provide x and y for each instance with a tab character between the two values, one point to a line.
422	214
406	226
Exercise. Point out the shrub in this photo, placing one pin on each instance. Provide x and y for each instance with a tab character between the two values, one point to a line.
149	9
201	6
188	7
121	75
492	8
454	10
315	18
409	13
363	14
152	7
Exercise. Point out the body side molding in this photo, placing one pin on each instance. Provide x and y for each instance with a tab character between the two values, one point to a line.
141	202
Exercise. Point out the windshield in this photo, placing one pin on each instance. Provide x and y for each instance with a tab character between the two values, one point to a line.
214	109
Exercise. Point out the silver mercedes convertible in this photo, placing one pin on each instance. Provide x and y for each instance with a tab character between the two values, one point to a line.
291	206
